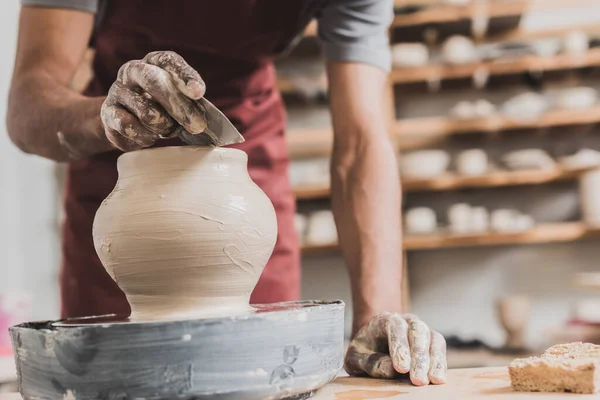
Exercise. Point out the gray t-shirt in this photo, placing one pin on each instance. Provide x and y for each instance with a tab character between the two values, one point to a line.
350	30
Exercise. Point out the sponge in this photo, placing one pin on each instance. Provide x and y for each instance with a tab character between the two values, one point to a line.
572	367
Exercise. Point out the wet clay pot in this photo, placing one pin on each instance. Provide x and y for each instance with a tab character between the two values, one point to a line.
185	233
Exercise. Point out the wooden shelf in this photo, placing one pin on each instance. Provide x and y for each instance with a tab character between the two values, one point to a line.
453	181
416	3
544	233
504	66
447	13
320	249
311	192
441	14
309	142
522	34
315	142
449	126
492	179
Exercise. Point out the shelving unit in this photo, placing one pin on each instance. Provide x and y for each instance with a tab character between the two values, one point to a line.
452	181
543	233
505	66
423	132
496	123
436	12
447	13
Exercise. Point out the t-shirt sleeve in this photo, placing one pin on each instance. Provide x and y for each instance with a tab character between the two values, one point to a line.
357	31
82	5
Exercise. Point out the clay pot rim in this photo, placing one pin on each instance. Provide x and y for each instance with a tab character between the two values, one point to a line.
184	149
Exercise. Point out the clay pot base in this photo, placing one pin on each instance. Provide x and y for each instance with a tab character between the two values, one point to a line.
285	350
105	320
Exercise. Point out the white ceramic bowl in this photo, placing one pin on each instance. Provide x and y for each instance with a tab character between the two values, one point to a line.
424	164
577	98
321	228
529	159
420	220
576	43
459	218
472	162
458	50
410	55
525	107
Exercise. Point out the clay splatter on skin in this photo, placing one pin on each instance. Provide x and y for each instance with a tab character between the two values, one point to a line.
149	98
395	334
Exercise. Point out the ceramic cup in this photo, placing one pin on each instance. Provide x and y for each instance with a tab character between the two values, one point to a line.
420	220
472	162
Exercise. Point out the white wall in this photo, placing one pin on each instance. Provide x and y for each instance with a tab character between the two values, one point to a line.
28	242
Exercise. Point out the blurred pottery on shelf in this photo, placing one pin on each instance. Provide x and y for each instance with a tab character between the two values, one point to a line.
310	172
424	164
457	50
480	220
321	228
546	47
420	220
410	55
526	159
583	158
589	193
508	221
577	98
465	110
466	219
514	313
472	162
576	43
526	107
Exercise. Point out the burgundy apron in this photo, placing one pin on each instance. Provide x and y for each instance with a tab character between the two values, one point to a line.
232	44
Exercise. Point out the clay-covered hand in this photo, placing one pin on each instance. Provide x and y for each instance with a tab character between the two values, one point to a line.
152	98
394	344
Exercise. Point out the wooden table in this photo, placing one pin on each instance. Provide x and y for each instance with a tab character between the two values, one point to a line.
463	384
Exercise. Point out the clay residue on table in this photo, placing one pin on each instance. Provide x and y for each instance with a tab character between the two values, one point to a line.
360	394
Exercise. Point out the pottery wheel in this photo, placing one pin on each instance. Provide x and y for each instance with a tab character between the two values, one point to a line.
287	350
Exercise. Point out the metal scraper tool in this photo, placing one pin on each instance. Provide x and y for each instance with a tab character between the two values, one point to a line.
219	130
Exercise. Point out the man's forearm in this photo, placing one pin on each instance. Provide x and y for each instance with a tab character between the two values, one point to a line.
50	120
366	189
366	205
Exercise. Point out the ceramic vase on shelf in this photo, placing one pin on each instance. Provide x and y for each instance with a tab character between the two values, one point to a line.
185	233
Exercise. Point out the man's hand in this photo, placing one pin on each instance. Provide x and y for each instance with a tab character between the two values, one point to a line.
152	98
394	344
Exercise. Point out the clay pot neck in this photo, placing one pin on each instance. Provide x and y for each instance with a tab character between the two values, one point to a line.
183	161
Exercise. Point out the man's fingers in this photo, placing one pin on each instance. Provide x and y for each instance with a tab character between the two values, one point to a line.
362	361
150	113
437	353
186	78
419	339
118	119
397	334
158	84
121	142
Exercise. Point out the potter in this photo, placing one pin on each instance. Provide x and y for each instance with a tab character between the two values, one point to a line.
185	233
147	81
